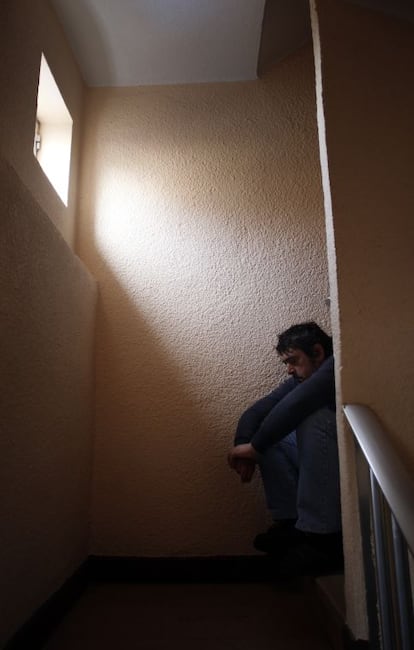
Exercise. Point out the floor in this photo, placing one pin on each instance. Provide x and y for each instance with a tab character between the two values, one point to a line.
253	616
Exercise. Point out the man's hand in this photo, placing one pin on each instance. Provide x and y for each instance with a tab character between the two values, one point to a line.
245	469
242	459
243	452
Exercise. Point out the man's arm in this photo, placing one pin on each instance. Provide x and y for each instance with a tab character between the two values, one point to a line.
253	417
304	399
248	424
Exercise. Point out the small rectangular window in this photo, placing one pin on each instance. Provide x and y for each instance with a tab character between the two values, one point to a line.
53	132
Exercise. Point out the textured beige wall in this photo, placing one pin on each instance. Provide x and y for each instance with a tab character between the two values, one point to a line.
368	106
46	339
47	328
202	219
28	29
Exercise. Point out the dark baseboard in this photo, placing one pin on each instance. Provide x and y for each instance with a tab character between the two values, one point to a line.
34	633
213	569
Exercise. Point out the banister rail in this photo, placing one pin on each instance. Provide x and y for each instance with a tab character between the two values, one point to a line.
386	503
395	481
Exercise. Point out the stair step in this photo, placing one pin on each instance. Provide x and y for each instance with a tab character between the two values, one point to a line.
328	598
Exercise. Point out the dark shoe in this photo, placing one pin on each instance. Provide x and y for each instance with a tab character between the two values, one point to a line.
313	555
277	538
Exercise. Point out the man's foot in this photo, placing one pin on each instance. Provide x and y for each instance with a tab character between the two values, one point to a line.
313	555
277	538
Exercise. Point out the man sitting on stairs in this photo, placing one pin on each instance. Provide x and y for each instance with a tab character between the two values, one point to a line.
291	435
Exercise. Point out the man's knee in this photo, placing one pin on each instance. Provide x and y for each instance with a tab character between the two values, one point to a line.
322	421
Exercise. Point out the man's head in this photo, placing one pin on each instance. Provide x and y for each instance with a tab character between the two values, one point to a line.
303	348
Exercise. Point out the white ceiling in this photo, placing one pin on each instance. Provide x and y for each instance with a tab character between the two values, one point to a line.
145	42
141	42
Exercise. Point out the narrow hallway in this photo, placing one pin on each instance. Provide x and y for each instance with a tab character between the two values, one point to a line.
253	616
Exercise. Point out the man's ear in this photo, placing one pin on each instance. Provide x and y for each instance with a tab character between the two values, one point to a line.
318	353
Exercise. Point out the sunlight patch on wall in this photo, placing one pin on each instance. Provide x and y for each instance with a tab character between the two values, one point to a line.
53	133
145	238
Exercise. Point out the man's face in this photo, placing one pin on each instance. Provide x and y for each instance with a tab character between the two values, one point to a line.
299	364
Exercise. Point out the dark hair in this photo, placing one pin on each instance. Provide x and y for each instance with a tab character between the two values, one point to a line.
304	337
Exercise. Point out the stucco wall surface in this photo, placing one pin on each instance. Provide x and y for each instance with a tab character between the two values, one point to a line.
47	328
30	27
368	104
47	321
201	216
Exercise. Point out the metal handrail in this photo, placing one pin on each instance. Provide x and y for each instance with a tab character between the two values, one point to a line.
385	491
392	475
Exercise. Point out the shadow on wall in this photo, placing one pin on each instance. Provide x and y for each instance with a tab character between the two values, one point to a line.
286	27
47	327
160	475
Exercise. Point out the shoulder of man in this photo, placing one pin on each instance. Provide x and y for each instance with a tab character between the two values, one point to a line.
322	381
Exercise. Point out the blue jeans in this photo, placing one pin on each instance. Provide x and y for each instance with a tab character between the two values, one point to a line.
300	475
